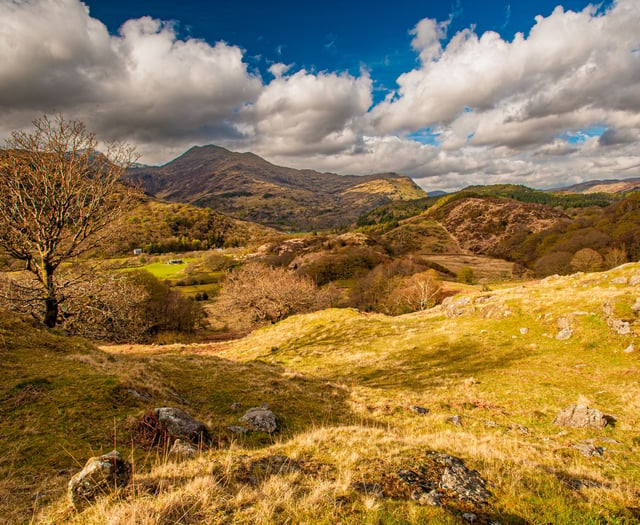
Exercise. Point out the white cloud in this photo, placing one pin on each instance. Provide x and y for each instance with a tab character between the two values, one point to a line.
142	85
304	112
501	108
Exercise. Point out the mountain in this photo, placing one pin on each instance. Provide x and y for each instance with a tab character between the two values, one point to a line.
248	187
485	225
603	186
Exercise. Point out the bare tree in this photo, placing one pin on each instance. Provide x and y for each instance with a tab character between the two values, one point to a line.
256	293
58	195
586	260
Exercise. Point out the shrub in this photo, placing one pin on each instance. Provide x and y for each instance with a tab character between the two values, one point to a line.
586	260
465	275
257	293
398	287
553	263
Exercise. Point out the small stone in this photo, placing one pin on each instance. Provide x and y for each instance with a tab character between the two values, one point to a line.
183	449
564	334
588	450
178	424
636	306
635	279
630	349
490	424
235	406
619	280
260	419
431	499
524	330
579	484
470	517
563	322
134	393
237	429
521	428
40	496
418	409
455	420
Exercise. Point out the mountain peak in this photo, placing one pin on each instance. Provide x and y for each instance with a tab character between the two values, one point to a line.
248	187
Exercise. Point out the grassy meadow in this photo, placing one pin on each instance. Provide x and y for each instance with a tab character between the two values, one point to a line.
341	384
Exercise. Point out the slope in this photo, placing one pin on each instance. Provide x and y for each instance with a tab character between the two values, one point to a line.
343	385
250	188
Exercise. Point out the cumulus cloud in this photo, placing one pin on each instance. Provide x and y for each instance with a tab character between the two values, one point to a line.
572	68
143	84
502	109
305	112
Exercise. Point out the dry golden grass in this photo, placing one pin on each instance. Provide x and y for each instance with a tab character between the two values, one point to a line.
342	384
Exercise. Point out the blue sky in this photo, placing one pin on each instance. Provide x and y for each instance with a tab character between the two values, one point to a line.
454	93
330	35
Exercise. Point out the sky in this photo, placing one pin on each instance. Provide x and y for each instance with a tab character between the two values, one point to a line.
451	93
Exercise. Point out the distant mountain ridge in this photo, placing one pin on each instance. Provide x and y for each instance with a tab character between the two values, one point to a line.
248	187
602	186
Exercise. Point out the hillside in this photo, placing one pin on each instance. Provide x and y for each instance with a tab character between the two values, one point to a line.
248	187
363	402
603	186
160	227
481	225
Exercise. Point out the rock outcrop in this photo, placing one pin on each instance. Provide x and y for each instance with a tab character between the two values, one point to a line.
99	476
260	419
581	416
442	476
180	425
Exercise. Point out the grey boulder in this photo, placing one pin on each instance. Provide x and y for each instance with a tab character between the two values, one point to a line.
99	476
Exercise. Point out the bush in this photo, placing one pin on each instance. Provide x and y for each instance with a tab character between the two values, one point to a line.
398	287
257	293
465	275
553	263
127	307
586	260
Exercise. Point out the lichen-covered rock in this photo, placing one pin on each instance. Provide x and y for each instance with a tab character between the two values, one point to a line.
588	450
619	280
580	416
260	419
455	420
565	330
457	307
431	499
178	424
99	476
183	449
618	326
466	484
564	334
442	475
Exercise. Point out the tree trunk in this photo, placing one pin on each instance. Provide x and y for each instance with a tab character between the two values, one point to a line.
50	300
51	312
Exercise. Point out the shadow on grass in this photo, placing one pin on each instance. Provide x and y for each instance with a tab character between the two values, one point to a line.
60	408
434	366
